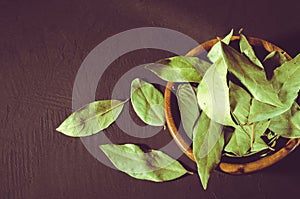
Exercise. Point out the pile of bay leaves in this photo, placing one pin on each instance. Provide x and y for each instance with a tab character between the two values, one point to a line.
255	108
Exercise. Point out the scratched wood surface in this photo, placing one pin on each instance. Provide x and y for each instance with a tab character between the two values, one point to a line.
42	45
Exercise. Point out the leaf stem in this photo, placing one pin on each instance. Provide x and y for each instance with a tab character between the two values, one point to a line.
252	136
239	123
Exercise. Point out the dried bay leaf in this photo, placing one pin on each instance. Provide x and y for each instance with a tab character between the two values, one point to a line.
154	165
91	118
188	107
260	111
272	61
260	129
275	58
208	144
286	82
240	101
214	54
295	119
147	102
213	94
287	124
252	77
240	142
179	69
247	49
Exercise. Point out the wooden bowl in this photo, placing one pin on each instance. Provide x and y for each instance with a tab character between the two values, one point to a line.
231	168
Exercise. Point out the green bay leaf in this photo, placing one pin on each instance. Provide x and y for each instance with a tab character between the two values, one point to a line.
240	142
213	94
287	124
153	166
179	69
208	143
240	101
295	119
260	129
260	111
274	58
91	118
252	77
247	49
188	107
286	82
214	54
147	102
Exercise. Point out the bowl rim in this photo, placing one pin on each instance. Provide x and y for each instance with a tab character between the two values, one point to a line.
230	168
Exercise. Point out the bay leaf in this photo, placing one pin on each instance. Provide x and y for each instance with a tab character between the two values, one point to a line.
188	107
208	143
287	124
213	94
275	58
240	101
92	118
179	69
264	142
240	142
247	49
260	129
261	111
147	102
153	166
286	82
252	77
295	119
214	54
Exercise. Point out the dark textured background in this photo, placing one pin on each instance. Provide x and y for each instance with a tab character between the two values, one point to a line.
42	45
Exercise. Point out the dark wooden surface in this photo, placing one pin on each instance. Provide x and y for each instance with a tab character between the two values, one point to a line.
42	45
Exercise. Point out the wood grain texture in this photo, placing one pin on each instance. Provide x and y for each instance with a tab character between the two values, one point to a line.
42	45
